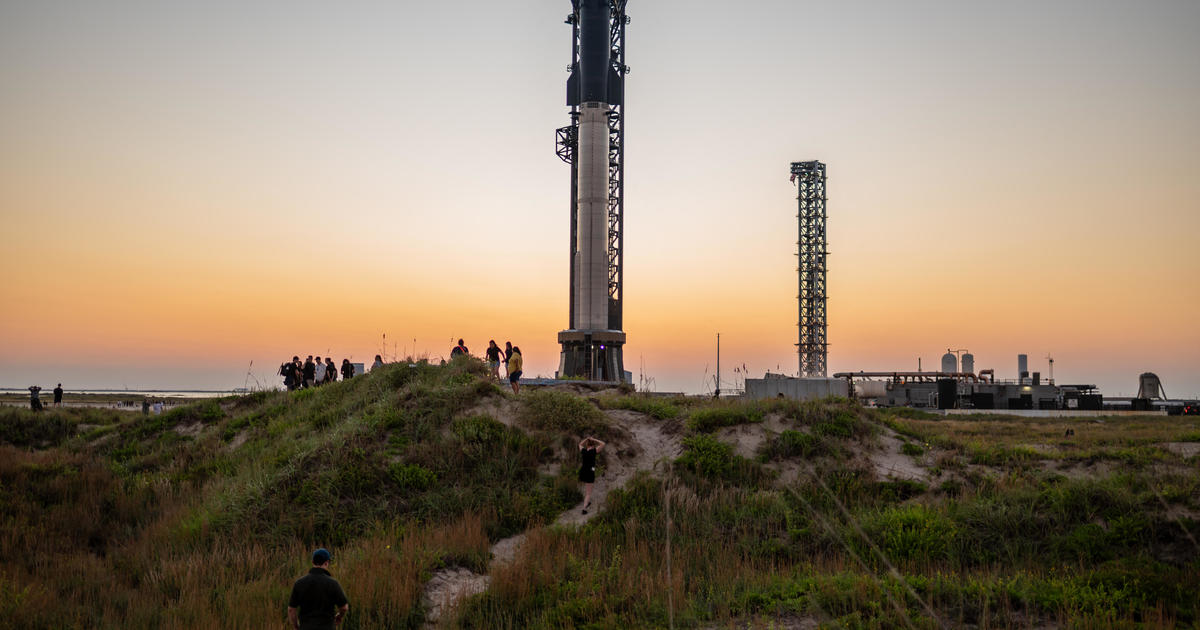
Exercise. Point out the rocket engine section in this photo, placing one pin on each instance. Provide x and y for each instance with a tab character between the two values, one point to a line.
592	346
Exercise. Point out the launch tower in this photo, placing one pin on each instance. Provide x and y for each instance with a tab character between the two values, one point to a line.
593	144
813	349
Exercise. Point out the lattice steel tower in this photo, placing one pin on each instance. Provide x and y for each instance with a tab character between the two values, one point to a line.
813	348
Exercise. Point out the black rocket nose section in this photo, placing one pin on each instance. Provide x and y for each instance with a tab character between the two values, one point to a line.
595	43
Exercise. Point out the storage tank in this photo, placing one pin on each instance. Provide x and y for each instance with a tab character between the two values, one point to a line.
949	362
870	389
968	363
1022	367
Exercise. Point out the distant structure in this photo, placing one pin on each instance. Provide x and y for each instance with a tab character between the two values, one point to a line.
593	144
813	348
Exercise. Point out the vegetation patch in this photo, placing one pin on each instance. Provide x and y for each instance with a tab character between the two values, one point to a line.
659	407
710	419
549	410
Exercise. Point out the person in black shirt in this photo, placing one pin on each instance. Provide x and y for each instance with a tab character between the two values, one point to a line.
589	447
459	351
310	372
507	354
288	372
493	358
318	601
347	369
330	370
58	395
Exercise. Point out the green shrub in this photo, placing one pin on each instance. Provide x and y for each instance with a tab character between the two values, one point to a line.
910	532
658	407
707	455
791	443
21	427
915	450
1001	456
842	425
709	458
561	411
412	476
477	429
712	418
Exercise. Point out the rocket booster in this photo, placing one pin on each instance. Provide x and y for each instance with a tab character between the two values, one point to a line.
593	86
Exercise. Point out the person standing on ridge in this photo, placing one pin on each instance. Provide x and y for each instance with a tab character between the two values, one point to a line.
310	372
459	351
319	372
35	398
507	356
289	381
330	370
514	369
318	601
58	395
493	359
378	363
347	370
589	447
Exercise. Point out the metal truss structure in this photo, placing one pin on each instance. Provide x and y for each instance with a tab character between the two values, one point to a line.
567	143
813	348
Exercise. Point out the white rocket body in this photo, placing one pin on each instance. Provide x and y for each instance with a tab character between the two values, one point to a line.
591	255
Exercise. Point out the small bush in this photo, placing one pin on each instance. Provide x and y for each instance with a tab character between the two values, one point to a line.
412	476
712	418
658	407
908	448
911	532
560	411
26	428
842	425
793	444
1001	456
710	458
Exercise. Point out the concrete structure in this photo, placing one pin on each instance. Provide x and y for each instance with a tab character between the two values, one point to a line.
775	386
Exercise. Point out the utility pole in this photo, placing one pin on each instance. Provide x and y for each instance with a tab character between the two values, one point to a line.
717	378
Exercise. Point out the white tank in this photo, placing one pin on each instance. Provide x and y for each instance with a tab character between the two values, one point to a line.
949	362
1022	367
968	363
870	389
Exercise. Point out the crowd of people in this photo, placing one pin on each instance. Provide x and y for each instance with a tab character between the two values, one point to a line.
512	359
311	373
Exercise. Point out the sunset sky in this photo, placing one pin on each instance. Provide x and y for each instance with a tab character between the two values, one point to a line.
187	187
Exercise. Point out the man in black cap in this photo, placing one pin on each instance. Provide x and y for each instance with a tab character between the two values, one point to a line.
317	602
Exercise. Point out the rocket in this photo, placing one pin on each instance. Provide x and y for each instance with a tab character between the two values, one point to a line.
592	348
594	87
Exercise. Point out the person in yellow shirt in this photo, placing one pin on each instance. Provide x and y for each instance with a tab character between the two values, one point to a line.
514	369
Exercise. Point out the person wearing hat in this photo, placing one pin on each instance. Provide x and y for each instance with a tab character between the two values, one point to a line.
317	602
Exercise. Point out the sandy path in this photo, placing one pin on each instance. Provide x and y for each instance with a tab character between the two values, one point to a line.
643	445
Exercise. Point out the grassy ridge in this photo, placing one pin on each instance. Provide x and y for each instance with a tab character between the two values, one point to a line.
201	517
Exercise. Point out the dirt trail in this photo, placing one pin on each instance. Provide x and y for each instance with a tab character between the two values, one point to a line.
890	462
642	445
